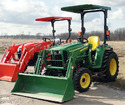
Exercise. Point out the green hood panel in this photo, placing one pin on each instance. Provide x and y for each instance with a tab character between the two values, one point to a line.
67	47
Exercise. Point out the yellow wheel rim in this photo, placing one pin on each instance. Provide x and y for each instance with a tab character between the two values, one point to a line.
85	80
113	67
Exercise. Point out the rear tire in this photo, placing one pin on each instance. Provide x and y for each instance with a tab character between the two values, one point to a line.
82	79
110	67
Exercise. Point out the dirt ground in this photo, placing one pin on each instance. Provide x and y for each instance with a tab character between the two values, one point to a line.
98	94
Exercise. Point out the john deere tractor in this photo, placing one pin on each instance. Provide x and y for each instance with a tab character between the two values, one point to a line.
71	66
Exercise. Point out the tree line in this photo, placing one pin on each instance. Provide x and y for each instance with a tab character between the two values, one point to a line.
118	35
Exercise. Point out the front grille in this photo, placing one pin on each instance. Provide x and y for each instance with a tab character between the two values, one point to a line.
54	58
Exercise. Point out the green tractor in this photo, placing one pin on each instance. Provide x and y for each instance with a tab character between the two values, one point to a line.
70	67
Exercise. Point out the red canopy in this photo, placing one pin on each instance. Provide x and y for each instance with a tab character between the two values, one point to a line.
48	19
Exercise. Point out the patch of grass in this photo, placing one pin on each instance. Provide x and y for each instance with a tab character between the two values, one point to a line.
2	50
120	53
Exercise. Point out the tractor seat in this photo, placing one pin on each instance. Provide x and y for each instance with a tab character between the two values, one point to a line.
95	41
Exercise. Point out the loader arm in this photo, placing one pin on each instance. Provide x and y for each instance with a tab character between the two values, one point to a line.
27	53
9	53
9	68
38	62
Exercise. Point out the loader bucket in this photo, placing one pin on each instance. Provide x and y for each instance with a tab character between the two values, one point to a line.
8	72
58	89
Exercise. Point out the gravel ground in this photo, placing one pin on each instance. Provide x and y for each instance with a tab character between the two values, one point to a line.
97	95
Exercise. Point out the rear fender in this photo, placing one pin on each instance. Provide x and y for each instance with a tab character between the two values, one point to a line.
99	55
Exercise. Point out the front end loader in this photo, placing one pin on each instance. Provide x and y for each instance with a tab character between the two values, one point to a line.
70	67
17	57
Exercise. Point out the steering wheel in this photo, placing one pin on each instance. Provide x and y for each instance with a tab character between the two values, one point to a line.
44	39
86	40
79	40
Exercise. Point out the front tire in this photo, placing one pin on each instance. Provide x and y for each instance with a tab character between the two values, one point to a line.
82	79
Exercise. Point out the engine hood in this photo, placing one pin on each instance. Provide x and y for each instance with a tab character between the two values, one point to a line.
67	47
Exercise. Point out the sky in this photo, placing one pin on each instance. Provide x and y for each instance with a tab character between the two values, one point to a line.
18	16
